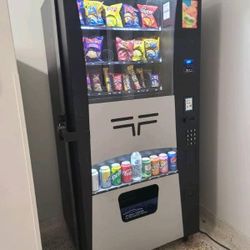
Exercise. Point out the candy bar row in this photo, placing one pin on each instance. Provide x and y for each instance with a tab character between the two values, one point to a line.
131	79
95	13
135	50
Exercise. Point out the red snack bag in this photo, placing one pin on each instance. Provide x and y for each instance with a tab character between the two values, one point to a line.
117	81
147	15
124	49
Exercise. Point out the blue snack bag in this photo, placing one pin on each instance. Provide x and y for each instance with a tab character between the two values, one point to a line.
80	6
93	13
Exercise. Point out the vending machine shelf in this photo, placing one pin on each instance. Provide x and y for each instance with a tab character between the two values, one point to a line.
104	63
104	28
123	185
120	29
95	97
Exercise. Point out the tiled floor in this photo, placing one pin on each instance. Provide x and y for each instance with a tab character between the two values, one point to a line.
55	237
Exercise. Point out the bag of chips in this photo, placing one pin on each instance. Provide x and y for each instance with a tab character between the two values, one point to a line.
93	13
107	79
130	16
124	49
147	15
139	72
117	81
153	79
113	17
126	82
134	78
93	48
89	83
80	6
139	51
152	48
96	82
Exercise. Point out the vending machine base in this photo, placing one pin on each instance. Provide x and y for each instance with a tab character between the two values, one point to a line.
138	217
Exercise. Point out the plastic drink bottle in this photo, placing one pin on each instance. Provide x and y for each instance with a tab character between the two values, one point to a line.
136	162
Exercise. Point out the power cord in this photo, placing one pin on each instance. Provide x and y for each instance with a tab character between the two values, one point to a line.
217	242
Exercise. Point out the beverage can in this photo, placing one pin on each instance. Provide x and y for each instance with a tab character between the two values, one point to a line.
172	160
155	164
126	172
163	163
146	167
136	162
105	177
95	180
116	176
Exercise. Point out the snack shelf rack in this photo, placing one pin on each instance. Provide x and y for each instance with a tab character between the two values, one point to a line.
104	63
104	28
95	97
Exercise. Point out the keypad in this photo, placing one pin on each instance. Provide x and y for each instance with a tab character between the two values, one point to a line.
191	137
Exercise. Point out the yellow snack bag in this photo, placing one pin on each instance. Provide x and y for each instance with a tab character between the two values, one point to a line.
152	48
93	12
139	51
113	17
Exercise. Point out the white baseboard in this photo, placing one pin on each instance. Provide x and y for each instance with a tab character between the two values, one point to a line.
222	232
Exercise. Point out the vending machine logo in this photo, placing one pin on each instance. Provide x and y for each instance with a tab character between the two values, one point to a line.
133	125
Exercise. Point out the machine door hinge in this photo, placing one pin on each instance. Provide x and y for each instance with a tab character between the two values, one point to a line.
64	134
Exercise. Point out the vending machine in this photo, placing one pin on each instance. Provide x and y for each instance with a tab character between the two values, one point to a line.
124	80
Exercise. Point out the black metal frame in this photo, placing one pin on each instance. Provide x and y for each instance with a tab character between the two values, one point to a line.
72	120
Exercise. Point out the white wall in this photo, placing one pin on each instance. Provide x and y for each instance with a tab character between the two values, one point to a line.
29	44
18	215
225	112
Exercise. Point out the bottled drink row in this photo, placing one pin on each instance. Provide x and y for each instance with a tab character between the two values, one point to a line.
137	169
95	13
130	79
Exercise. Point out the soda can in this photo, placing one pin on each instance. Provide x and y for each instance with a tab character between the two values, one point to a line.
95	180
105	177
172	159
155	164
163	163
126	172
116	176
146	167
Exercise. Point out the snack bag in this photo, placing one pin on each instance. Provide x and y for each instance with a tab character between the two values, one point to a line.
113	17
134	78
152	48
93	48
147	15
107	79
124	49
89	83
96	82
139	51
126	82
130	16
117	81
153	79
155	82
140	73
80	6
93	13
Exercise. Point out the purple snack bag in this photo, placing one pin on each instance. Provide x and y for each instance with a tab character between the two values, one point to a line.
93	48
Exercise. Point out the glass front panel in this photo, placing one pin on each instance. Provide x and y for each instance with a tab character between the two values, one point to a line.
128	50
